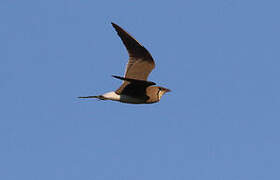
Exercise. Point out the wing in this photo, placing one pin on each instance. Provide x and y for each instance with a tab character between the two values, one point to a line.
133	87
140	62
136	81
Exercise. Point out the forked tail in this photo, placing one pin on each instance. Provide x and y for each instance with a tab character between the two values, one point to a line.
98	97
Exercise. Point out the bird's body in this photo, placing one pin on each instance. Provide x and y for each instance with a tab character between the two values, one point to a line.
135	88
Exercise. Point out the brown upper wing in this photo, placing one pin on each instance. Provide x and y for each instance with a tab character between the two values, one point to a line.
140	62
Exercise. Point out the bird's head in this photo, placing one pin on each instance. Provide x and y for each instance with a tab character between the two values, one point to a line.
162	91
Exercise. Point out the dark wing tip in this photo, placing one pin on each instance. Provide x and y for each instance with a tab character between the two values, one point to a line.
118	28
134	48
113	24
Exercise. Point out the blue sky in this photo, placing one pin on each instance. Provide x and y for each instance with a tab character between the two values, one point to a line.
220	58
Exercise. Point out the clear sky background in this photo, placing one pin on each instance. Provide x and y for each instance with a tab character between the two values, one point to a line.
220	58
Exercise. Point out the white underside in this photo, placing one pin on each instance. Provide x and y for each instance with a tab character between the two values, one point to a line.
112	96
122	98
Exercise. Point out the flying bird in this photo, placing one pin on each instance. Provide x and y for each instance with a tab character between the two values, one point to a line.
135	88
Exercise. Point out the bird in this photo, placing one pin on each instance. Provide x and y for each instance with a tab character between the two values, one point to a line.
135	89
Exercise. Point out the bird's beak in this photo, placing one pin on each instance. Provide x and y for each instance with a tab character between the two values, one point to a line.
167	90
